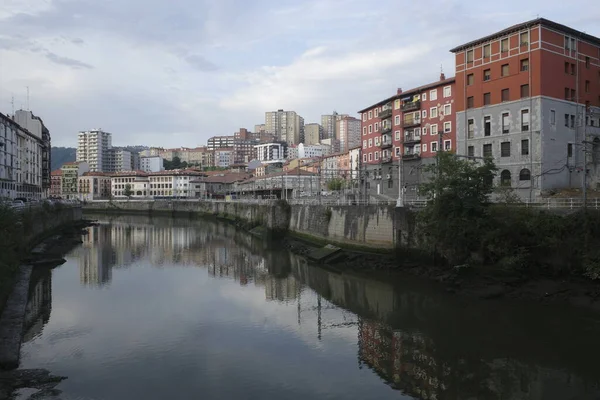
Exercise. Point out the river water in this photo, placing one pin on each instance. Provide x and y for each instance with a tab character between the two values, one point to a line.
182	309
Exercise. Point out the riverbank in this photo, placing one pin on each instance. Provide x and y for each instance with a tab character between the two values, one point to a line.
481	282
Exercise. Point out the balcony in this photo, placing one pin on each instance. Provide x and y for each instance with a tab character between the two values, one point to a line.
386	112
411	156
386	128
386	159
408	122
386	141
411	106
411	139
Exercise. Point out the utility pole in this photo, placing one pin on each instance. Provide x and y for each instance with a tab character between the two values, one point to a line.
400	201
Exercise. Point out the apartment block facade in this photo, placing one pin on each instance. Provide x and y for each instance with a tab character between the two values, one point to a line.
94	186
410	126
24	157
271	152
287	126
347	131
93	147
70	173
529	96
313	133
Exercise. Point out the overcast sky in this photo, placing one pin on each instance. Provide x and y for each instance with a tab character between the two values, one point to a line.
174	73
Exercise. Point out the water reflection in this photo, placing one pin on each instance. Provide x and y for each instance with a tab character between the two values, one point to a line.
419	341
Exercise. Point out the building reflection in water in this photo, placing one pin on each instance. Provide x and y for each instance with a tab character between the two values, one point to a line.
39	304
420	341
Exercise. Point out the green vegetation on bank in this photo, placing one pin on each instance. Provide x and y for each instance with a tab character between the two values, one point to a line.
462	225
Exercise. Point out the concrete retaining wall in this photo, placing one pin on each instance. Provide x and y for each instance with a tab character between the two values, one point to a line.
369	226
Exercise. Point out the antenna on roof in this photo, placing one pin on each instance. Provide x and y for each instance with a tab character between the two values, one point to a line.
27	98
12	102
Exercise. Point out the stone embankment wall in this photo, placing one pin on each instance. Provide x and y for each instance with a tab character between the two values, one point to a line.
373	226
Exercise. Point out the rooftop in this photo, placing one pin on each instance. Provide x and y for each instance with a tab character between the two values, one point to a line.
405	93
523	25
56	172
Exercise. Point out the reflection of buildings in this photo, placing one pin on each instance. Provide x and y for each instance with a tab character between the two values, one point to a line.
96	258
39	304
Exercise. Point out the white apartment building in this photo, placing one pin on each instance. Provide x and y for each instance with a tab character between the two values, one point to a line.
151	164
21	165
288	126
155	184
271	152
307	151
94	147
36	127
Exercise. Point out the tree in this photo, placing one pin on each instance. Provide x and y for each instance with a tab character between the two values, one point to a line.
456	213
335	184
127	191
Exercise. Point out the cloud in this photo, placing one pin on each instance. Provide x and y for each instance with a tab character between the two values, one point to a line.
67	61
178	73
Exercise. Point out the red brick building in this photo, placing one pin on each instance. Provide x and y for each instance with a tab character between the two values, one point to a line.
411	125
528	96
55	183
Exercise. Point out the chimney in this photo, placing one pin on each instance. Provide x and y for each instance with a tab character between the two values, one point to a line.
442	77
399	91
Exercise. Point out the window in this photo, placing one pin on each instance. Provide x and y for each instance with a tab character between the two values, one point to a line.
370	143
567	93
487	150
433	112
447	91
364	130
424	113
487	125
573	94
397	135
587	86
370	156
470	129
525	175
471	151
376	112
524	91
505	95
447	145
434	129
505	149
397	150
364	158
376	155
376	126
447	126
364	144
370	114
505	178
364	116
447	109
424	96
572	69
504	70
396	104
377	141
487	51
424	130
487	99
424	146
567	67
524	120
370	128
524	38
470	102
433	94
397	120
505	124
572	121
525	64
525	147
567	120
570	150
469	56
487	74
504	45
434	147
470	79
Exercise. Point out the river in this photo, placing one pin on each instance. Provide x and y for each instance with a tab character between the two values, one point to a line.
160	308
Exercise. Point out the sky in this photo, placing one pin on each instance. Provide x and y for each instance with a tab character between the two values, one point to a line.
174	73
